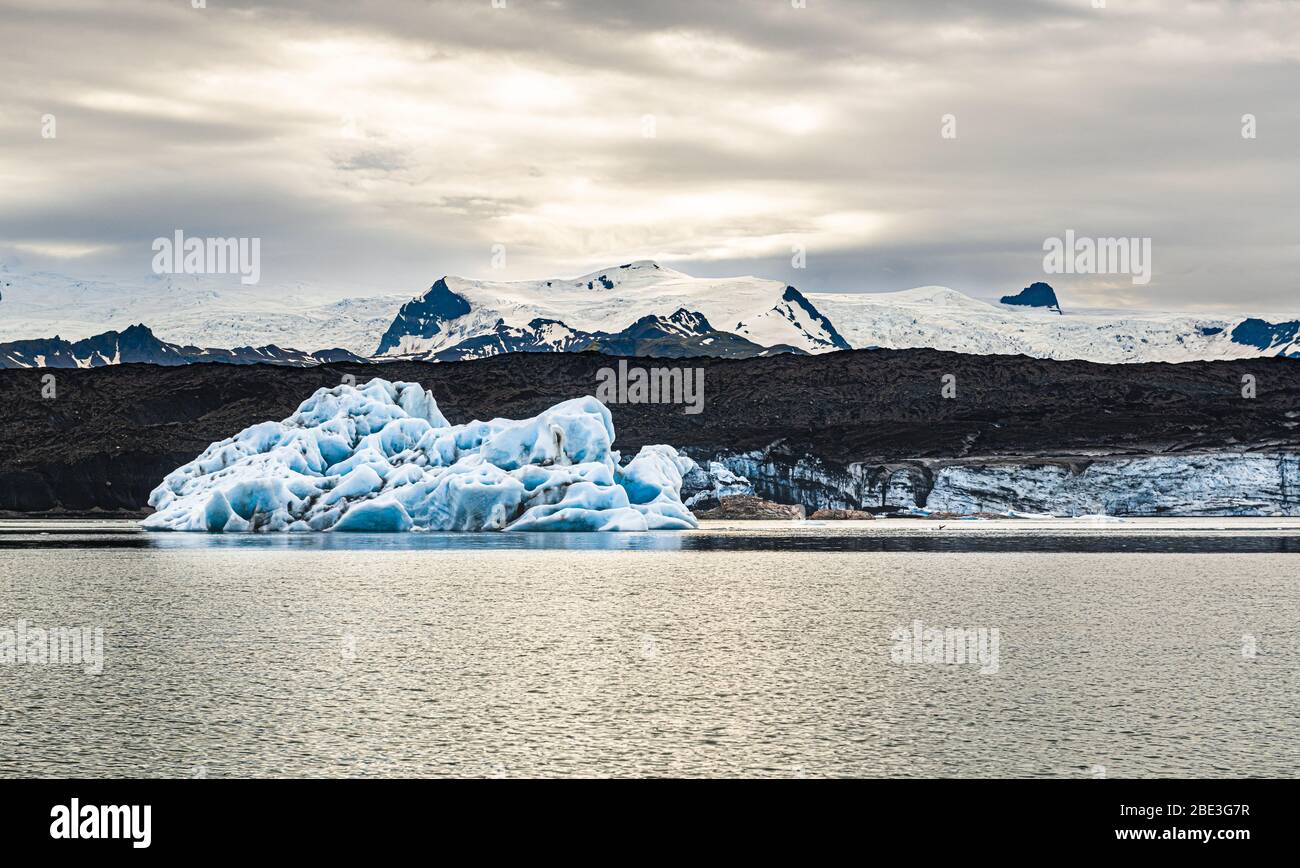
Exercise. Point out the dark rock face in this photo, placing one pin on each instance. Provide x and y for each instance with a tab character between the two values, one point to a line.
336	354
138	345
796	298
1035	295
684	334
819	427
1264	335
541	336
424	316
744	507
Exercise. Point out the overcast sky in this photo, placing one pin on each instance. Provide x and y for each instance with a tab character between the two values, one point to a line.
384	143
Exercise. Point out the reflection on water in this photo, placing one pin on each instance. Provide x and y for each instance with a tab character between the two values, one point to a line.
1185	536
1146	648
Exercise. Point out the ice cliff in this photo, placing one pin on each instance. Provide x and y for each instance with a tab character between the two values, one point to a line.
1183	484
381	457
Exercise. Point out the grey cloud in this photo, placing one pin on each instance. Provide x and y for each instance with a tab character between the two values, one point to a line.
1110	122
373	159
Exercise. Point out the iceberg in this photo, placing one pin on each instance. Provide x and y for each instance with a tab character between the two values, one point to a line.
382	458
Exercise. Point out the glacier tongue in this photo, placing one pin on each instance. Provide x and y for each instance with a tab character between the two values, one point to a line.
383	458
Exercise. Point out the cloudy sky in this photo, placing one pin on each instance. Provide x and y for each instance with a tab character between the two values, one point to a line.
382	144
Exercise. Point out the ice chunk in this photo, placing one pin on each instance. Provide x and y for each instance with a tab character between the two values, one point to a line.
375	516
706	488
383	458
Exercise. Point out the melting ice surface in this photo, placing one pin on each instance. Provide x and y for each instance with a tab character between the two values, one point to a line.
383	458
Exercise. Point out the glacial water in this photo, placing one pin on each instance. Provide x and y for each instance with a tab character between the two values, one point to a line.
1138	648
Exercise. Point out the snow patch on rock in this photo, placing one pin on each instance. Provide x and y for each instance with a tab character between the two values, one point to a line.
706	488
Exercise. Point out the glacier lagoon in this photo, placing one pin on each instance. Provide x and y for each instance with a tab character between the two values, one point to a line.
737	649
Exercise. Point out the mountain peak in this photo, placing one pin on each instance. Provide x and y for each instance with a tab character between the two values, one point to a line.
638	272
483	316
1035	295
680	322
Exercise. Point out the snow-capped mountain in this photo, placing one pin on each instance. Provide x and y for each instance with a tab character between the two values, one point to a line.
631	309
944	319
641	308
461	318
137	344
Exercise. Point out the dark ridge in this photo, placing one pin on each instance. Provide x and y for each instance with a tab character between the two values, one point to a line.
683	334
138	344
